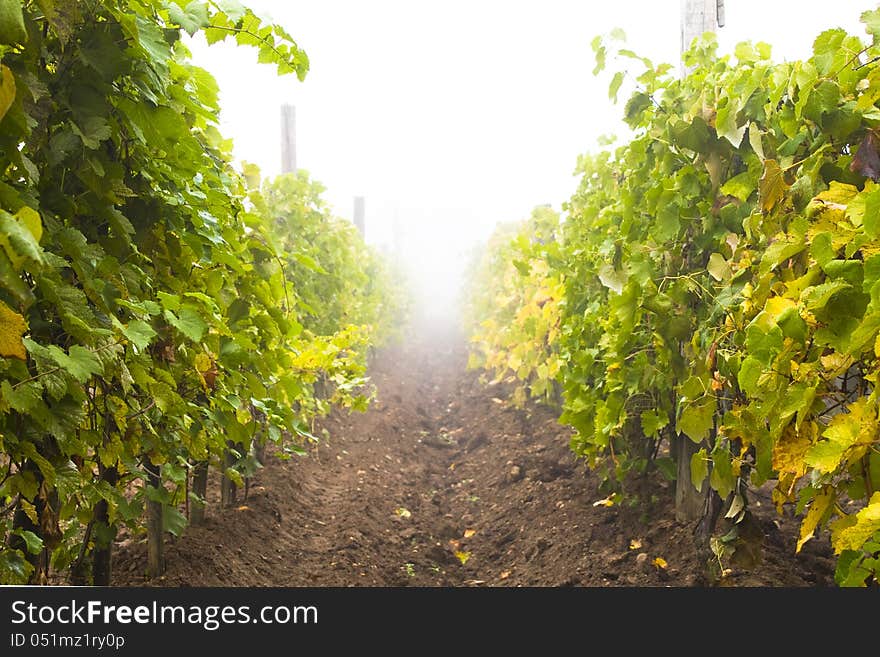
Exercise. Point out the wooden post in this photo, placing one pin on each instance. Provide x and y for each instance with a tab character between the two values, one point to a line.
697	18
359	220
288	139
102	554
155	530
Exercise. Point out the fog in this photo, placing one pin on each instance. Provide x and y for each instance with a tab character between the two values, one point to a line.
451	116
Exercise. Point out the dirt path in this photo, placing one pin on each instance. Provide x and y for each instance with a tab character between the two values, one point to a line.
441	483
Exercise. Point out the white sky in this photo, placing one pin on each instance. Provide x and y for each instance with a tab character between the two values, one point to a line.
451	116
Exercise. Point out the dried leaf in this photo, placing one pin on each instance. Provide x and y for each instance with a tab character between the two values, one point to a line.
660	562
635	544
462	556
867	160
402	512
772	186
469	532
606	502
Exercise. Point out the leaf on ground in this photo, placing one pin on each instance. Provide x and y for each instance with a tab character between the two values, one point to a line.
660	563
635	544
468	533
12	327
462	556
401	512
606	502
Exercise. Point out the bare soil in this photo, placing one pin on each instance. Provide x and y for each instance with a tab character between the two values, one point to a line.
443	483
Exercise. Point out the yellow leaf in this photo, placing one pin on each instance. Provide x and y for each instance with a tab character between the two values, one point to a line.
635	544
775	306
660	562
462	556
402	512
789	451
12	327
7	90
606	502
866	524
469	532
30	511
32	221
243	416
817	509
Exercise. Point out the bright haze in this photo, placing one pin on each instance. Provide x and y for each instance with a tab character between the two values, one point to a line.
451	116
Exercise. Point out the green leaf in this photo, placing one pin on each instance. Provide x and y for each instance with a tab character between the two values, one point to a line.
139	333
46	469
93	130
818	296
871	218
699	468
12	30
722	478
740	186
697	419
14	568
33	542
865	335
614	87
653	421
725	123
749	374
718	268
612	279
79	362
192	19
173	521
23	397
771	186
18	241
825	456
188	322
308	262
871	19
822	249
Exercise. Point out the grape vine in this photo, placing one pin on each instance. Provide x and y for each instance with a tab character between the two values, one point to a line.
156	315
721	277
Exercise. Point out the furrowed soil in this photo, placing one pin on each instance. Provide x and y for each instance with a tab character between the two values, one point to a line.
443	483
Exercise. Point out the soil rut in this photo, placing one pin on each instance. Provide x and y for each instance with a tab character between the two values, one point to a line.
442	483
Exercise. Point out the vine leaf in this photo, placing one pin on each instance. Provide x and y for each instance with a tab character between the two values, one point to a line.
7	90
820	505
12	327
79	362
12	30
192	18
772	186
867	523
